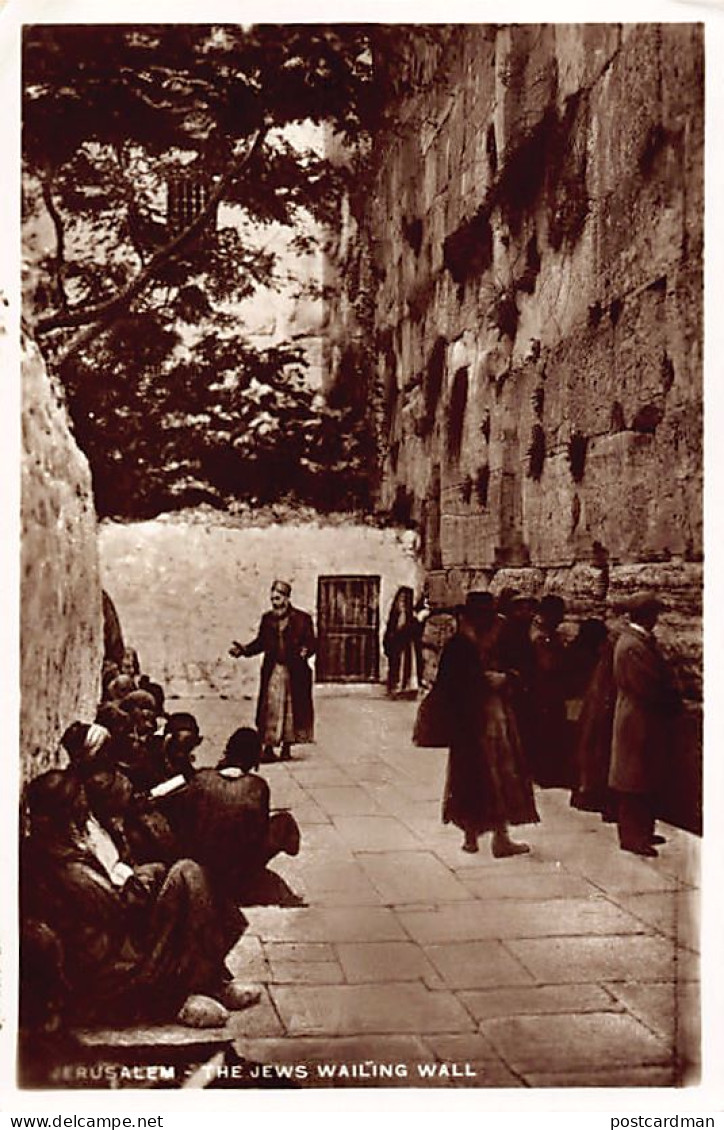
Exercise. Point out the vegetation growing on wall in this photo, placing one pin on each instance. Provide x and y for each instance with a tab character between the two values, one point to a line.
468	251
536	453
456	413
482	485
576	454
432	383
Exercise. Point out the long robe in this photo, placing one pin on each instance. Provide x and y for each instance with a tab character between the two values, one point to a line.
645	702
548	746
593	736
282	649
487	783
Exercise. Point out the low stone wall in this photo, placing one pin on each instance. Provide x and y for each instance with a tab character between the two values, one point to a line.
185	588
60	595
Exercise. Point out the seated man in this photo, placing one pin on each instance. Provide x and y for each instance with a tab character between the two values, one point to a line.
138	944
222	818
139	829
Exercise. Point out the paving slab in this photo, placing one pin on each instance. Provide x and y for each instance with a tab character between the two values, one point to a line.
383	962
350	800
537	1000
375	833
260	1020
533	884
575	1043
410	877
673	1010
299	951
614	870
473	1060
475	965
247	960
508	918
305	973
632	957
676	914
320	924
341	882
407	1007
324	839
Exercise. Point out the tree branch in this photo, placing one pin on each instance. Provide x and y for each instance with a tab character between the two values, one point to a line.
104	312
59	242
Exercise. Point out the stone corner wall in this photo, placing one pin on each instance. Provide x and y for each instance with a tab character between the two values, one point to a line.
61	638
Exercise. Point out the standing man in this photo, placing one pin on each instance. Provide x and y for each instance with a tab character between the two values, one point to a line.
285	712
645	701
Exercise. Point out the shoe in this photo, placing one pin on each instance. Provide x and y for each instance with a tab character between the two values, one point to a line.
502	848
267	755
285	753
658	839
201	1011
641	849
236	996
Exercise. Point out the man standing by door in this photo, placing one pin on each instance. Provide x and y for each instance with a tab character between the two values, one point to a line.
285	711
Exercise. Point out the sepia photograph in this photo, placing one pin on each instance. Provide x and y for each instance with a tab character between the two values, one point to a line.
361	555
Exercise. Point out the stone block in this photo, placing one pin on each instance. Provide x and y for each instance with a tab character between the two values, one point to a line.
409	877
581	1042
630	957
582	52
383	962
343	1010
477	965
536	1000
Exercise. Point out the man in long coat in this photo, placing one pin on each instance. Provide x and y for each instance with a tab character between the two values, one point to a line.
645	701
285	712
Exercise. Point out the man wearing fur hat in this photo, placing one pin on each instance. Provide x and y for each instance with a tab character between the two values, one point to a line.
645	700
285	712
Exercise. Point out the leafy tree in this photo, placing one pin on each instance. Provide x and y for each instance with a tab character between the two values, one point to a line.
135	309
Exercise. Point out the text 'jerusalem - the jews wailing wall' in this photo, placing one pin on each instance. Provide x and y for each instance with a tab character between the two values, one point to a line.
533	244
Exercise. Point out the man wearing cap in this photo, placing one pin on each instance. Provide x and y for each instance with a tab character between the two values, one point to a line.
645	700
285	712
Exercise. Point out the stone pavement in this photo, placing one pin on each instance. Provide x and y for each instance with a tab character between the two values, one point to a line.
415	964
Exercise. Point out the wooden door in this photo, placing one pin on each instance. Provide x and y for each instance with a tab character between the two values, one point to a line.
348	624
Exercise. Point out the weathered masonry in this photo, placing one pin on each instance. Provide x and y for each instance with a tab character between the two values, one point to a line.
60	595
535	230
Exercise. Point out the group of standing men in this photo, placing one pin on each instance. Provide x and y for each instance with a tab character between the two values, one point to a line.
501	696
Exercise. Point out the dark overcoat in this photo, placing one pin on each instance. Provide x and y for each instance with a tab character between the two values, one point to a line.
487	784
297	635
642	716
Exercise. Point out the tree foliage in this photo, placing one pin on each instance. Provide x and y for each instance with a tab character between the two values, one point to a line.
168	399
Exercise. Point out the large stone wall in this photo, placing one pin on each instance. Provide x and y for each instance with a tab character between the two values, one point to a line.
537	228
537	224
60	593
186	587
